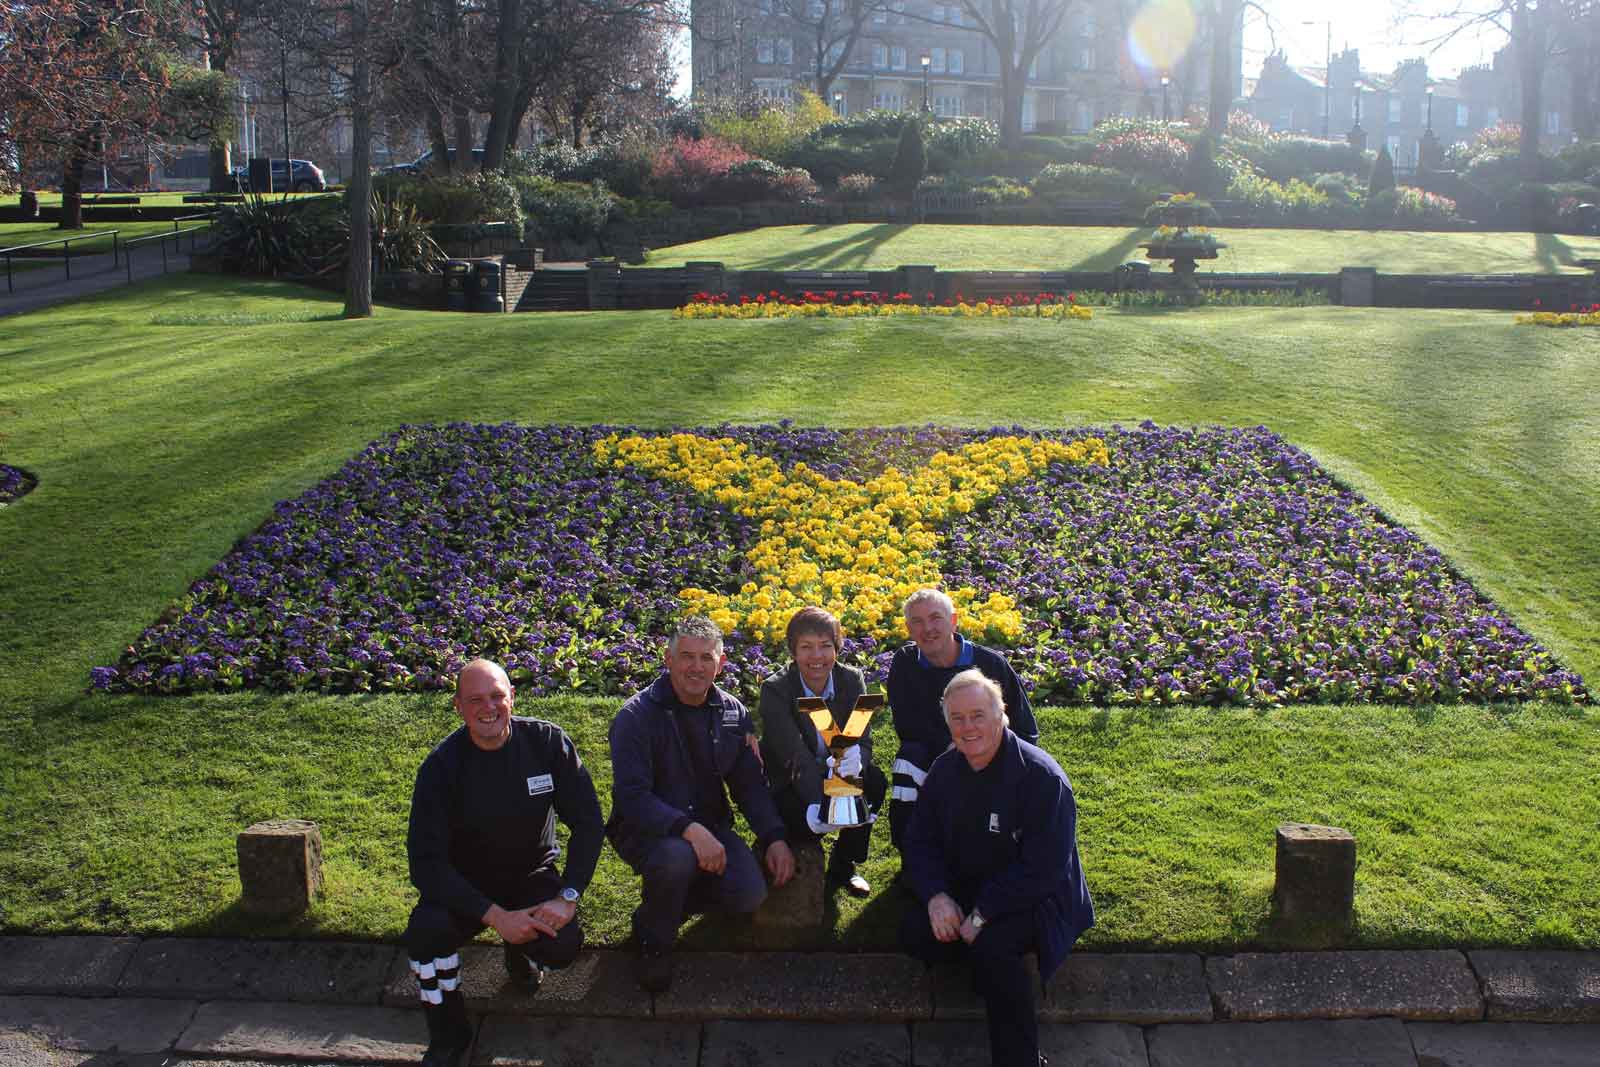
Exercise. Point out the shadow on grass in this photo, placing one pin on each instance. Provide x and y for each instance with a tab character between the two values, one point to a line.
846	252
1113	257
1553	253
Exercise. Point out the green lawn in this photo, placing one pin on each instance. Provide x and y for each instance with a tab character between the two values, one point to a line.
165	419
882	246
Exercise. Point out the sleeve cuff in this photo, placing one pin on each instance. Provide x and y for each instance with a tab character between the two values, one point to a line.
679	825
765	840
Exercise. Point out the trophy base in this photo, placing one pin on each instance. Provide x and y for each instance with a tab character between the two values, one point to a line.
845	811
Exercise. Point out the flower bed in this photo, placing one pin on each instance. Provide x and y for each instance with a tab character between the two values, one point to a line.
14	483
847	304
1121	567
1577	316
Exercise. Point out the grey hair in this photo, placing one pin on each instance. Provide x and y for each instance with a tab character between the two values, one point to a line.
973	678
697	626
922	596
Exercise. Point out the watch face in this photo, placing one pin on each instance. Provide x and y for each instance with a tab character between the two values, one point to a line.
570	895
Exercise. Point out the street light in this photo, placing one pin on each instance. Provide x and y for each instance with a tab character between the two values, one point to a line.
1327	80
1429	122
838	103
926	60
1166	115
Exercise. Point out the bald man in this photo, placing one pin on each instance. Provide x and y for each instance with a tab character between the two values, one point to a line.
482	847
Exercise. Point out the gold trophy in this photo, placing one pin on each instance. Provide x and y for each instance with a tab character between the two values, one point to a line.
843	803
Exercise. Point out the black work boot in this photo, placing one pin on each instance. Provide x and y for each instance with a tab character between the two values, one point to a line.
449	1031
523	970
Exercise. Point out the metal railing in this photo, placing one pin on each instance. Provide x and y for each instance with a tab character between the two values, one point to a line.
161	239
66	251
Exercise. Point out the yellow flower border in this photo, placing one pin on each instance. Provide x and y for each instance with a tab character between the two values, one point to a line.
1559	318
1058	312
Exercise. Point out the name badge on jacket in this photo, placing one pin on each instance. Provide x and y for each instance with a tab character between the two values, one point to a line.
541	783
994	822
730	717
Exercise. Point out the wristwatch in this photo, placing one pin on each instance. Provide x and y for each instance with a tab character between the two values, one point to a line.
570	895
977	920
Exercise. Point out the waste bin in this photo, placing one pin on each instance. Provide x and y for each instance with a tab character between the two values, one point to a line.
29	203
458	284
259	175
488	298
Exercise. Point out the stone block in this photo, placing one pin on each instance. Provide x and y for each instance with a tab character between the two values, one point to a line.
815	986
598	983
75	966
133	1026
1316	874
1315	1043
1358	286
318	1032
1555	987
954	997
1434	984
505	1041
799	903
280	866
1498	1044
1079	1044
1139	988
223	969
805	1044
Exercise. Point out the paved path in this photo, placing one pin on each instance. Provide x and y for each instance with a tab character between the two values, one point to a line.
45	286
164	1002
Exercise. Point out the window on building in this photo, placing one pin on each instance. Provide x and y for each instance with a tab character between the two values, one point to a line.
888	101
897	58
763	49
774	90
836	8
1491	116
936	60
880	16
764	6
937	13
899	9
948	106
1086	57
1393	141
1085	119
1394	111
786	51
835	51
880	56
956	60
815	8
1089	29
1462	114
1552	122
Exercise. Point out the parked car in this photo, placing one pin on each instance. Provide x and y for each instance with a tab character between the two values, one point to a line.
307	177
420	164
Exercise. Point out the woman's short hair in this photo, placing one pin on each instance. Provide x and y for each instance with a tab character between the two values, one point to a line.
813	621
973	678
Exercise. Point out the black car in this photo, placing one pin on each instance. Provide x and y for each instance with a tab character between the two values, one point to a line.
420	164
307	177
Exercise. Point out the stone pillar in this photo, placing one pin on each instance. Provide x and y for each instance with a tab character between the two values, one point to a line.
713	278
798	905
280	866
1358	286
919	281
1316	875
605	277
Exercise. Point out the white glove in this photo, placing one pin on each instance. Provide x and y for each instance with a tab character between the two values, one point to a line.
814	820
849	765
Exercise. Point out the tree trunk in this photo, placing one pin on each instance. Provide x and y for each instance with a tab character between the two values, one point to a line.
72	184
1528	39
1226	16
221	167
463	124
358	273
507	60
433	120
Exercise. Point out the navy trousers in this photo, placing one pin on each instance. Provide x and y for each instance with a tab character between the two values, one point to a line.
435	933
998	974
675	886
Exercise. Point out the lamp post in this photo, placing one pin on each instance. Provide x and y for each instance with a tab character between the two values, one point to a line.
1166	114
1429	121
926	61
1327	80
838	103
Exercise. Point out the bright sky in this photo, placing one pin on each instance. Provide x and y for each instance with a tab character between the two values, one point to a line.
1366	25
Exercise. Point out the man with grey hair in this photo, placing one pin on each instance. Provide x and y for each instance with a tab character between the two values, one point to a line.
917	677
677	748
992	853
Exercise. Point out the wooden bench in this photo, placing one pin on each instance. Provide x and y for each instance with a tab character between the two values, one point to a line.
947	205
92	201
1090	212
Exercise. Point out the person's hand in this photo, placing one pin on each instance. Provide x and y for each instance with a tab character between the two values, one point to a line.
755	746
780	863
969	930
514	927
944	915
553	914
814	821
849	765
708	851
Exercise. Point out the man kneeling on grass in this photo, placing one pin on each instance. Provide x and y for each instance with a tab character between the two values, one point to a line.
677	748
482	846
993	854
